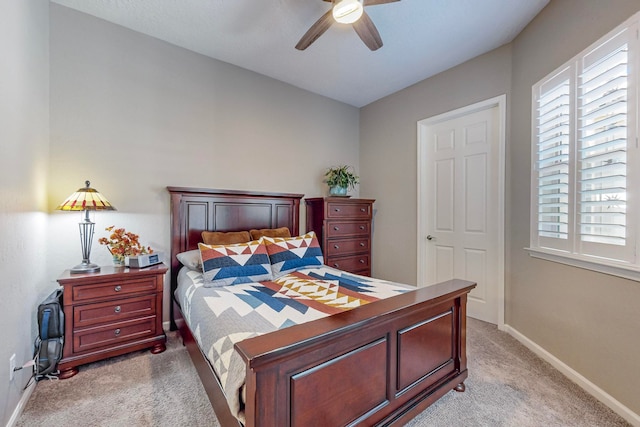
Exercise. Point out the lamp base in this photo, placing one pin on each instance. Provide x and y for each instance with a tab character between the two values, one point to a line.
85	267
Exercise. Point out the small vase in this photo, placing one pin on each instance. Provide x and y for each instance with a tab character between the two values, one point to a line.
118	261
338	191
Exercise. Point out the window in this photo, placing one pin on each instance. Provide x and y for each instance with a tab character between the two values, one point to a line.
585	161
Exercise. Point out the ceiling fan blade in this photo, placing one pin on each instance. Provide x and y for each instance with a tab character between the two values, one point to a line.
375	2
315	31
368	32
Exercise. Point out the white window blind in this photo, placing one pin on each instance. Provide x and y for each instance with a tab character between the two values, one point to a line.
602	144
585	180
553	131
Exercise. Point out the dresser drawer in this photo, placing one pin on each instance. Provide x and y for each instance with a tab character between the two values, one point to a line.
113	333
115	288
113	311
348	210
347	246
347	228
350	263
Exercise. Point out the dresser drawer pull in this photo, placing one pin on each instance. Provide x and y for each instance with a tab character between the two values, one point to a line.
117	288
335	264
361	261
336	247
117	332
337	209
362	245
362	227
336	228
117	309
363	210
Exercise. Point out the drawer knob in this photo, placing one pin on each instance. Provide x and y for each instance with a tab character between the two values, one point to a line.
361	261
117	309
363	210
337	209
336	228
117	332
117	288
362	227
335	264
362	244
336	247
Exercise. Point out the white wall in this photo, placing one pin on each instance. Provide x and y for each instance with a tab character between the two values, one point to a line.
134	114
24	136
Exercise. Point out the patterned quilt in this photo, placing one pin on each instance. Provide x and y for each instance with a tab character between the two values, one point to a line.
220	317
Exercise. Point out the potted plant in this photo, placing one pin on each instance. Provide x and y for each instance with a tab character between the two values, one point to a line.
340	179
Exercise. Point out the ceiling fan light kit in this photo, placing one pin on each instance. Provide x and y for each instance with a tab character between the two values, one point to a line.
347	11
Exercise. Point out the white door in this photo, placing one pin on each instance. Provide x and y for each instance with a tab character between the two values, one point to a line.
461	207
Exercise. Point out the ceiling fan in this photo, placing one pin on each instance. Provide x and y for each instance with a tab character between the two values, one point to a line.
346	12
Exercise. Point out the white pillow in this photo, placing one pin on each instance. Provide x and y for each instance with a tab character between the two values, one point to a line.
190	259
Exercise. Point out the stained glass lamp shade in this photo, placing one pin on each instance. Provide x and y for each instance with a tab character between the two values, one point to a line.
86	199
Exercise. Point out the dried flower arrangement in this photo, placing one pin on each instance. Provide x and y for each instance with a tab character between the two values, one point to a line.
122	243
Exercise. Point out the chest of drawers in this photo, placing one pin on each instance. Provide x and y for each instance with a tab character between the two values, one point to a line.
109	313
343	227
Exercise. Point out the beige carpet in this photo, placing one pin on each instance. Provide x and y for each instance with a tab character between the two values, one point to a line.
507	386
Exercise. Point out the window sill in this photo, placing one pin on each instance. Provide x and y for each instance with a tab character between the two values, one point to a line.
593	264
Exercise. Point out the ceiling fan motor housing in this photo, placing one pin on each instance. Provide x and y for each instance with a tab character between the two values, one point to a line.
347	11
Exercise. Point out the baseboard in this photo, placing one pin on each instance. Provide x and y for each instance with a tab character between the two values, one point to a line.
166	325
577	378
21	404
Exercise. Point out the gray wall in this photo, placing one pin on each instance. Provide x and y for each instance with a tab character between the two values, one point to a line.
24	137
134	114
388	155
587	320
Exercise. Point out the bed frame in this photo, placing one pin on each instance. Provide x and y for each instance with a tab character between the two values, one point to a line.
379	364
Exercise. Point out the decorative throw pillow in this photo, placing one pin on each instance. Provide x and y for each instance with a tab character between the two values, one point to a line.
270	232
190	259
289	254
224	265
225	238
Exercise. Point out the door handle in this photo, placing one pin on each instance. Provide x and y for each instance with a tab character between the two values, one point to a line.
430	237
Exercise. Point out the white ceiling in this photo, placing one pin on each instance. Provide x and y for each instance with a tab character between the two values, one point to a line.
421	37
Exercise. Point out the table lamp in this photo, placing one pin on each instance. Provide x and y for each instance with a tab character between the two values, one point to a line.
86	199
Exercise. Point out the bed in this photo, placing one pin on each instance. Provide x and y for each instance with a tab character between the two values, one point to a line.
406	351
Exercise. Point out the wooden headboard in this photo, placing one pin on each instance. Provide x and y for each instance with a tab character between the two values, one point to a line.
194	210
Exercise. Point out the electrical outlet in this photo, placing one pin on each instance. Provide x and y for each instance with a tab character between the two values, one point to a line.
12	367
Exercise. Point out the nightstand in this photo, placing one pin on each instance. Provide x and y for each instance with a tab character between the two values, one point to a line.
112	312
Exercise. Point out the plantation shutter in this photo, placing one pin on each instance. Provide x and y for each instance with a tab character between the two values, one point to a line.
585	156
602	120
552	157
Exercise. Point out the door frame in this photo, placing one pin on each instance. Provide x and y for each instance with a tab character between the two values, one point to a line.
423	127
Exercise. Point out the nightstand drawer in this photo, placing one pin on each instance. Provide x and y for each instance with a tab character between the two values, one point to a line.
113	311
348	246
110	335
350	263
347	228
115	288
348	210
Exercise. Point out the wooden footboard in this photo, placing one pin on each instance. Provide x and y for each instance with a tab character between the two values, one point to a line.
379	364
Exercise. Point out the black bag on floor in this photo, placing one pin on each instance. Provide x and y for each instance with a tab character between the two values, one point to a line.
50	335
